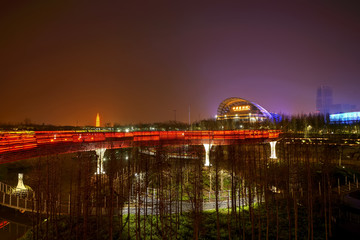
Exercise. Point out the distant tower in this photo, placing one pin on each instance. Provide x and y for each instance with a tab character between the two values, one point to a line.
97	120
324	100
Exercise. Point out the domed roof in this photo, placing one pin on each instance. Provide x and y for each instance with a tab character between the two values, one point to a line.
235	106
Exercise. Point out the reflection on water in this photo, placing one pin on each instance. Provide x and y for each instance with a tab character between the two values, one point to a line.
297	192
13	224
12	230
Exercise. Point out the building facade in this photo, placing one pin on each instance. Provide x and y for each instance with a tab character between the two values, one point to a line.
348	117
243	110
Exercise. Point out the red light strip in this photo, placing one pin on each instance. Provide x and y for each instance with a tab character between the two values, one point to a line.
18	141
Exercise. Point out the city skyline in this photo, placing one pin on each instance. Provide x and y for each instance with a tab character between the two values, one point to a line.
64	62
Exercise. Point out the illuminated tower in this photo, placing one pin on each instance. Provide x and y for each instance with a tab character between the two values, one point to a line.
20	186
97	120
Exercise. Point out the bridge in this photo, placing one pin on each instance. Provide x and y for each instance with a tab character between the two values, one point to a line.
27	144
29	202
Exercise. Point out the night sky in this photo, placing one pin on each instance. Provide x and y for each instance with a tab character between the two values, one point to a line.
61	63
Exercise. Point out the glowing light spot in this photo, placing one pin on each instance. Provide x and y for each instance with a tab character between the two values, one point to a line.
97	120
273	150
241	108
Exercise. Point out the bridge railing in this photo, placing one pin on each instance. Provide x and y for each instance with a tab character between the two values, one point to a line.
31	203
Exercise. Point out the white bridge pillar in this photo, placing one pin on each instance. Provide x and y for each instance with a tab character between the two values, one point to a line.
273	150
207	154
20	186
100	160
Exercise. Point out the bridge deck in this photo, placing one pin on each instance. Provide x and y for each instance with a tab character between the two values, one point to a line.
21	145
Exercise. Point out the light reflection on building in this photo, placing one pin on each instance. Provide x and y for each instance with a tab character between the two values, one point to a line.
348	117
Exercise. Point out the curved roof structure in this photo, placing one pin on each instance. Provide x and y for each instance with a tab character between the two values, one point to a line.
242	109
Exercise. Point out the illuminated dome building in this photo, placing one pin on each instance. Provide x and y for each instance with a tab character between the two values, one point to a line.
240	109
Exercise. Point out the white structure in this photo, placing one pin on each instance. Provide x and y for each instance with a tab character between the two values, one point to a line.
273	150
207	154
20	186
100	160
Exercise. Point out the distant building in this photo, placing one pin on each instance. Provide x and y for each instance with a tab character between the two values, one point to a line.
242	110
325	105
97	124
342	108
348	117
324	100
